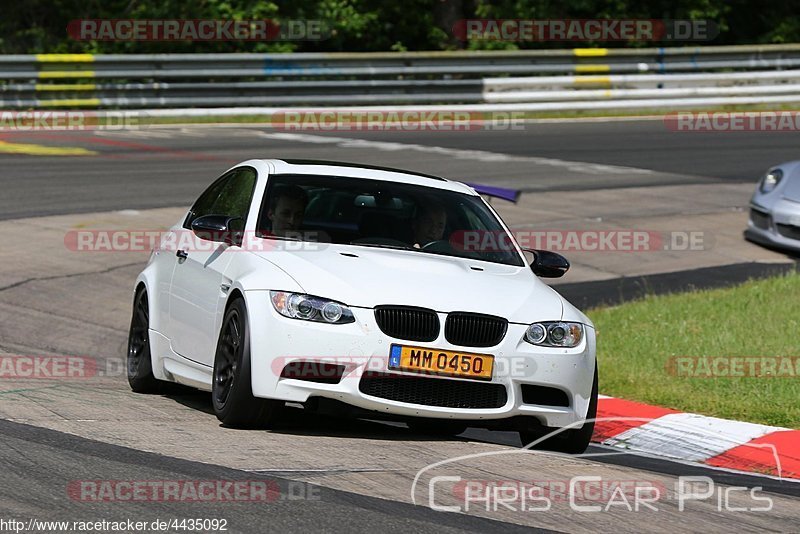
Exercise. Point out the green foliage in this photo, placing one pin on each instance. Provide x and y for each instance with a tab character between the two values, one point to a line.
638	341
39	26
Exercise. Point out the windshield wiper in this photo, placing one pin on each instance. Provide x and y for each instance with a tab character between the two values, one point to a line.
378	245
279	237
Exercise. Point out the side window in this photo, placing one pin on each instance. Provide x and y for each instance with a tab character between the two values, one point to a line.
235	197
229	195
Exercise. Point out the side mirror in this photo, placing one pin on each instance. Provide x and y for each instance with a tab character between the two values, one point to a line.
548	264
219	228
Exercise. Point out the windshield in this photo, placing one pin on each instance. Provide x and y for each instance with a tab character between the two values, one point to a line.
355	211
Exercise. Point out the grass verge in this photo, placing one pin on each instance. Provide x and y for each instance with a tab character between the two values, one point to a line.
650	351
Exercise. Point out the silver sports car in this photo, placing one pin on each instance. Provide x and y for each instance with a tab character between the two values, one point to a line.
775	208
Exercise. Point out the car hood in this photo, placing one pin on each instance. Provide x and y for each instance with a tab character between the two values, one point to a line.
367	277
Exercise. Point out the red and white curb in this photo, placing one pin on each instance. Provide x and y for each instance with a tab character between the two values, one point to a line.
691	437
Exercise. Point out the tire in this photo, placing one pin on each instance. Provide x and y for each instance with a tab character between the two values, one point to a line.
573	441
139	361
437	427
231	390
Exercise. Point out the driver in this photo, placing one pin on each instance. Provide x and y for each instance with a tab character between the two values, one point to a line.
286	210
429	224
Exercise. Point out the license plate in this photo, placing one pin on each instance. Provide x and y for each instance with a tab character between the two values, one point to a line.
441	362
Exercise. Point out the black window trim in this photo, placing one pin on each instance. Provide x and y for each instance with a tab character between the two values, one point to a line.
189	216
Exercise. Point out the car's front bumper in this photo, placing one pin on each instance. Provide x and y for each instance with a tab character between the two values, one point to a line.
778	226
363	348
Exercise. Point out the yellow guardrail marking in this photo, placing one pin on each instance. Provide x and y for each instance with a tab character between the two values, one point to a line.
66	102
66	74
592	68
41	150
65	87
590	52
64	58
593	80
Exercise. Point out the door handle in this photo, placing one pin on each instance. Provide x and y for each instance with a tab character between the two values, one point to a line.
182	254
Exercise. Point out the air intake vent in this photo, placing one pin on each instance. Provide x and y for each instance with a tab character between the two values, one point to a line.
788	230
433	391
474	330
544	396
320	372
760	220
406	322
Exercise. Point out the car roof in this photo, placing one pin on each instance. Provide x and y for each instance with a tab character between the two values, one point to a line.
359	170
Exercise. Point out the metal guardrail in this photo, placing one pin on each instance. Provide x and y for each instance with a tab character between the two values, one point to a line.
508	78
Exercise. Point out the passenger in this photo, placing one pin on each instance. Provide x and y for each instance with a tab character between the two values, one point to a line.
287	207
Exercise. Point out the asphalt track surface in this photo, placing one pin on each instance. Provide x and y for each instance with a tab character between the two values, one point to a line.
157	168
36	460
725	156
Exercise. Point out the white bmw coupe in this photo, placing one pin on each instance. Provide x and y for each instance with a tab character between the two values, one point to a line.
381	292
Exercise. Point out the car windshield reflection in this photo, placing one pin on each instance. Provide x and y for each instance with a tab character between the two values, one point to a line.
383	214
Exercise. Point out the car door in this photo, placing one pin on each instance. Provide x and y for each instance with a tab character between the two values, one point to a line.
198	286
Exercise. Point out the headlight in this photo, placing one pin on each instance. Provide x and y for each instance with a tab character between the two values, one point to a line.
555	334
771	180
308	308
